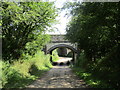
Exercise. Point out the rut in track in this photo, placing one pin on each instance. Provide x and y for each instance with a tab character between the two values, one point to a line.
59	77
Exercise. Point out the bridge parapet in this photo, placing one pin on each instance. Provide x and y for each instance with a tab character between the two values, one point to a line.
60	38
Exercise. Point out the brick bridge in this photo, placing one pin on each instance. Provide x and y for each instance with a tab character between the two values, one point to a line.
64	46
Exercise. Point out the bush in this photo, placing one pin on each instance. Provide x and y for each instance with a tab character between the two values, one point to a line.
89	79
22	72
104	71
82	61
55	56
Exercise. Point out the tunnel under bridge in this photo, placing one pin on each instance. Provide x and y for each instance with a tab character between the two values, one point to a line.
59	41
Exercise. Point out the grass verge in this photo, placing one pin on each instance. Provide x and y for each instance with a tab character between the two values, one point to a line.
90	80
21	73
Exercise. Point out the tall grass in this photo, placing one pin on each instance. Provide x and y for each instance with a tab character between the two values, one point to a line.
22	72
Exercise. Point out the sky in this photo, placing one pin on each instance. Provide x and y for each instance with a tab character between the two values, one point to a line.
63	20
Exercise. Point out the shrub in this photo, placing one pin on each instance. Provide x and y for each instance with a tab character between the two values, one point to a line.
42	61
22	72
81	62
55	56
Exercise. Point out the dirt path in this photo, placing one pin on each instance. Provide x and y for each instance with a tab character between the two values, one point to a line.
59	77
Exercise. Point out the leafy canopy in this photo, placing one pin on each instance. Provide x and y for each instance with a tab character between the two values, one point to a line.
24	23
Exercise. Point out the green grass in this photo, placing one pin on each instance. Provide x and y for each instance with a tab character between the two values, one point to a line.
93	82
23	72
99	73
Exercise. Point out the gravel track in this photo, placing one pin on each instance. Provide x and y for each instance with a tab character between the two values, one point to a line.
59	77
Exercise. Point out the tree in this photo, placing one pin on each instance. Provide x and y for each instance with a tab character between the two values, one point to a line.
24	22
96	28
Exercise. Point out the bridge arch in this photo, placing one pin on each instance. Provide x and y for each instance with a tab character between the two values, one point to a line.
75	52
62	45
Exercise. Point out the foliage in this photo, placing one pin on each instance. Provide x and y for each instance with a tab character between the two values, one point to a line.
81	61
96	28
34	46
91	81
23	24
23	72
0	73
55	56
96	33
70	54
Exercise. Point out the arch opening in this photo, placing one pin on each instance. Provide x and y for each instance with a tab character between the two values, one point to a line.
62	47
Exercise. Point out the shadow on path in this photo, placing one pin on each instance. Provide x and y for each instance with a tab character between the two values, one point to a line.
59	77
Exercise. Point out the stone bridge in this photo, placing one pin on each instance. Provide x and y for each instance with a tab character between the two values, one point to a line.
59	41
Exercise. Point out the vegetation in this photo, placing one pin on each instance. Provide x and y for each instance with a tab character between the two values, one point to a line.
24	25
55	56
23	72
70	54
96	28
89	79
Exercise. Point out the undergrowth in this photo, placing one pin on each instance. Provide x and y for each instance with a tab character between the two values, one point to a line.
91	81
21	73
99	73
55	56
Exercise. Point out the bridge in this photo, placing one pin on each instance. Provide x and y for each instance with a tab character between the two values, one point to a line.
59	41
